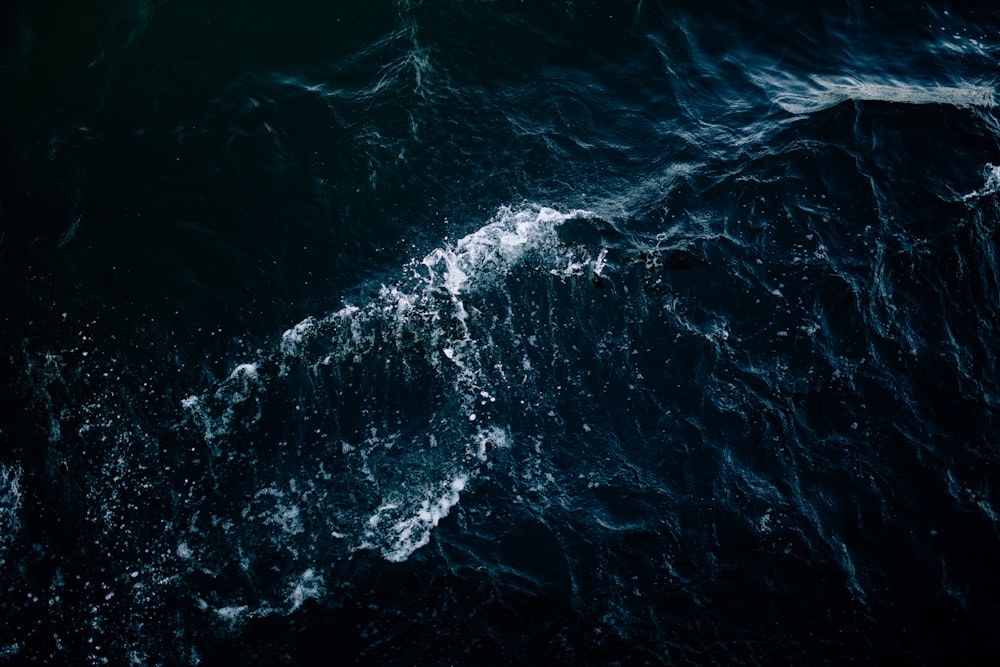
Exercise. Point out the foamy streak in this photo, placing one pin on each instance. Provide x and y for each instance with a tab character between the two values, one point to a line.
798	96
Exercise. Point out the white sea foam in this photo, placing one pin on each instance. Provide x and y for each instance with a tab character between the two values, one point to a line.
284	514
804	96
990	186
409	533
308	586
244	371
232	614
292	339
10	506
237	389
494	248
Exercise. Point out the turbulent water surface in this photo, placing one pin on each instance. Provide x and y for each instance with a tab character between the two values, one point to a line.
471	332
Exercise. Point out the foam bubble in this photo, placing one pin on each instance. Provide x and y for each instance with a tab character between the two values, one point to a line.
493	249
233	614
410	533
292	339
10	505
991	186
305	587
244	371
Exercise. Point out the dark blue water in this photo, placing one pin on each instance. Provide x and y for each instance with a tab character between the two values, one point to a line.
499	333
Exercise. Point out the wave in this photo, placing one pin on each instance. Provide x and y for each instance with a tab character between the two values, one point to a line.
358	432
400	387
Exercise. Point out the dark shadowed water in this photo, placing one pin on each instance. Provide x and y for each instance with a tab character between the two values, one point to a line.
471	332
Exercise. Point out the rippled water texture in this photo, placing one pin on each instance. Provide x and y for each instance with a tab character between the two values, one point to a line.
498	333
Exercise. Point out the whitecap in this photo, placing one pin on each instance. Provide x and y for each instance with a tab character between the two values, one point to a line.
493	249
409	533
990	186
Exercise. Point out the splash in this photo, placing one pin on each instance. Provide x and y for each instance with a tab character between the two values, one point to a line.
394	386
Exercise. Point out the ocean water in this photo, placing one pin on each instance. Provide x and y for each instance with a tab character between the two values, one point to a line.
495	332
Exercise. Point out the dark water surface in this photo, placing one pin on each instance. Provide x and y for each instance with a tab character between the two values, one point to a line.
499	332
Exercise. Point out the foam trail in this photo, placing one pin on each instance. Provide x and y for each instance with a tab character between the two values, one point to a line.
798	96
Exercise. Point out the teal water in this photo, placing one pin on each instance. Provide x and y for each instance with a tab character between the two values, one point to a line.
478	332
